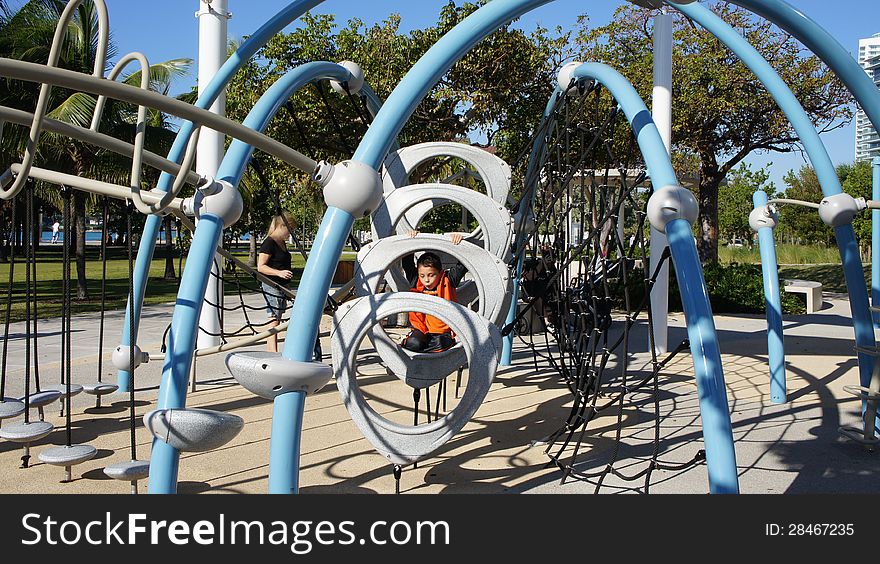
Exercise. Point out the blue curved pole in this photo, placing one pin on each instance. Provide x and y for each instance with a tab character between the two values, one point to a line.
336	225
164	459
519	243
823	44
800	121
714	407
209	95
875	241
714	410
773	305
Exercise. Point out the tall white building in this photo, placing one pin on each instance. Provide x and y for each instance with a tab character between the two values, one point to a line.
867	138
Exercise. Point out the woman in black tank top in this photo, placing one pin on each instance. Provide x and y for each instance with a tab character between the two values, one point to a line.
273	261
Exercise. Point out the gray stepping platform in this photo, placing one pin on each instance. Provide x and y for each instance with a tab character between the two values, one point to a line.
268	374
62	389
492	170
496	223
26	432
405	444
44	398
68	455
192	429
99	388
11	407
130	471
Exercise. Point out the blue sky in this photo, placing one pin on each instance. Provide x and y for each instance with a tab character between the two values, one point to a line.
168	29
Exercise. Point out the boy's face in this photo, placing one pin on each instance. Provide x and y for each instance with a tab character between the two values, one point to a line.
429	277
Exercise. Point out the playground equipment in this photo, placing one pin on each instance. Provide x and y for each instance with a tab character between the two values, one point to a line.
374	182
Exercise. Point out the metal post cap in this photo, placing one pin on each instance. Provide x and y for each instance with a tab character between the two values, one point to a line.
353	187
763	216
355	82
669	203
225	202
840	209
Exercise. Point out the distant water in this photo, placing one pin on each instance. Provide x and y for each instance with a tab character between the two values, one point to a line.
93	236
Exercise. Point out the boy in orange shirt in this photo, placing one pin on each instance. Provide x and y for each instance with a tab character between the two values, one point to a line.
429	334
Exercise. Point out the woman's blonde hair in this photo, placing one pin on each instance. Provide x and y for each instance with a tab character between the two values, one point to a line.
278	222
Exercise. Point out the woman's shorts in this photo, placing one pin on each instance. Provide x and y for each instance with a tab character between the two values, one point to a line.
276	302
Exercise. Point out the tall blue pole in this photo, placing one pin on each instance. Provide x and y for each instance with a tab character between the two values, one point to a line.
828	49
151	228
875	241
773	305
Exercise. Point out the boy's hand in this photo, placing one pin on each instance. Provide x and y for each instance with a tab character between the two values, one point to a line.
456	238
413	233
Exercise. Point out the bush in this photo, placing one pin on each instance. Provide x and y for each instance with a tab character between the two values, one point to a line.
739	288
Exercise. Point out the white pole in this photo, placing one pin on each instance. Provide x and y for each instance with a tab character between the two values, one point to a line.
662	110
212	15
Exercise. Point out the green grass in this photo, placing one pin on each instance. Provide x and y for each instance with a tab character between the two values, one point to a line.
49	276
785	254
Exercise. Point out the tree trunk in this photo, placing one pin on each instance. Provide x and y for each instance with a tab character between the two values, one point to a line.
169	251
252	244
79	213
707	242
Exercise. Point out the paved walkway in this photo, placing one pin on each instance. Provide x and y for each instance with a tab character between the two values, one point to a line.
786	448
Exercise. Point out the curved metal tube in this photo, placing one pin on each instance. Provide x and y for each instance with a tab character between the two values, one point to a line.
805	29
140	132
824	46
20	117
184	323
206	99
46	88
714	407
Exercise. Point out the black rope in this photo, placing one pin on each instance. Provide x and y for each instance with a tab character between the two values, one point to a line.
66	307
11	241
104	220
131	340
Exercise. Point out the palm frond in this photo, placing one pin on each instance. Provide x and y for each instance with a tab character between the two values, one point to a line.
77	109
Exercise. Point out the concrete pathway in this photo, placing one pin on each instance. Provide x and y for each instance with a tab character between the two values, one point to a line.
786	448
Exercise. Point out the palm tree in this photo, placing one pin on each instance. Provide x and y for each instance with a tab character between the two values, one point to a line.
27	35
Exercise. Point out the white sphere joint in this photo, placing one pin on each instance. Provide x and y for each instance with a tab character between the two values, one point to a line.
670	203
566	75
353	187
840	209
763	216
121	357
355	82
225	202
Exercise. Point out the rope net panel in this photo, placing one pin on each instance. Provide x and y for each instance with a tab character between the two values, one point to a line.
585	279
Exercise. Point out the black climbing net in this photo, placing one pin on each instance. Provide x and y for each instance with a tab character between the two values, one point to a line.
586	281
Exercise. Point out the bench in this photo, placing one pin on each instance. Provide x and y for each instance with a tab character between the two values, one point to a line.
812	290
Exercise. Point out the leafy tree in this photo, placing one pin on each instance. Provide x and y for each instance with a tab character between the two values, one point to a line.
721	113
735	200
857	181
498	91
27	35
797	223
